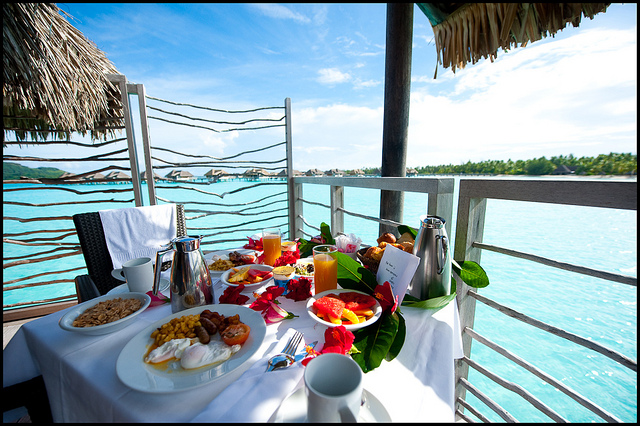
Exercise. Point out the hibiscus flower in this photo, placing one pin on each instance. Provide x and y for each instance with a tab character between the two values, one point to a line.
385	296
254	244
267	304
288	258
232	296
336	340
299	289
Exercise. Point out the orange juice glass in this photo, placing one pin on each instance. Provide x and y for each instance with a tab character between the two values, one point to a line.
271	244
325	266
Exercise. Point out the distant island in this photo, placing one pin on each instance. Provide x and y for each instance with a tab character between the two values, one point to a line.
603	164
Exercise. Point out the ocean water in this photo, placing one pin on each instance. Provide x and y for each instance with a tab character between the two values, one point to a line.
590	307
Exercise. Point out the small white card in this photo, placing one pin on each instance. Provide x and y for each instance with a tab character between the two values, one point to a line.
398	267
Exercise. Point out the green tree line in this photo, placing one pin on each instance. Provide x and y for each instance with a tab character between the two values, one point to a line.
603	164
12	171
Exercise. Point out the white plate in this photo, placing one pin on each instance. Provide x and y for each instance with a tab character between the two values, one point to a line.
66	322
124	288
377	310
135	373
225	276
294	409
224	253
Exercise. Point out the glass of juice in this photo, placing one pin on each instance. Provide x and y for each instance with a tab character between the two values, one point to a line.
271	245
325	265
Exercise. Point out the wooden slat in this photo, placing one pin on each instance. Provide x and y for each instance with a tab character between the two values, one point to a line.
506	416
590	344
544	376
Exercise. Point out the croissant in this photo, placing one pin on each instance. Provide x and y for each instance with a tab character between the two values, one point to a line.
387	237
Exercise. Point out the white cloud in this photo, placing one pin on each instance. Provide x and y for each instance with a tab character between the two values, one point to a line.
279	11
332	76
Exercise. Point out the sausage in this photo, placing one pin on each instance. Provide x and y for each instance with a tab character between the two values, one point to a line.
202	334
208	325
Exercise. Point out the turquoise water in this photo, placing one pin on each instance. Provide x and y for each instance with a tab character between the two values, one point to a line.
597	238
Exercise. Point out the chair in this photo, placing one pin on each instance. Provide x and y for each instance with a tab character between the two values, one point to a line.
96	254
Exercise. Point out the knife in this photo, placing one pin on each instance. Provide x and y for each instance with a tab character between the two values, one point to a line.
303	353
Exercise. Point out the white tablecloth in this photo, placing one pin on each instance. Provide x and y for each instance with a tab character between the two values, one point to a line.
80	371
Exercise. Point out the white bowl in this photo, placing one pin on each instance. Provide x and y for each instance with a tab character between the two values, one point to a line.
377	310
66	322
226	274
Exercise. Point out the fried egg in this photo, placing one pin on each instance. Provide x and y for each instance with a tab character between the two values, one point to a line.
171	349
199	355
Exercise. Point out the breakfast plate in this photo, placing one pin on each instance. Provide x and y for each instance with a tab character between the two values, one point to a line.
225	276
377	310
66	322
224	254
294	409
136	374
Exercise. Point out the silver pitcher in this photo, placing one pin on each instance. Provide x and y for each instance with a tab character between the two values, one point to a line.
190	281
433	276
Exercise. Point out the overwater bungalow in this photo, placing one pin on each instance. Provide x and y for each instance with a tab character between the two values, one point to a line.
356	172
116	175
334	172
252	174
93	176
314	172
411	172
214	175
156	177
180	175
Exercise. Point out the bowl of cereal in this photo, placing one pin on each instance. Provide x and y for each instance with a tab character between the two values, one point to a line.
104	314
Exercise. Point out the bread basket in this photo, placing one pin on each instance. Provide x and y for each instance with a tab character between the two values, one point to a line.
368	263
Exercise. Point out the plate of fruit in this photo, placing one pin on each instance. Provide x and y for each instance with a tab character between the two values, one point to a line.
251	276
351	308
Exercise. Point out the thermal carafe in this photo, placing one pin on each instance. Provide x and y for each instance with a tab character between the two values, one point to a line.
433	276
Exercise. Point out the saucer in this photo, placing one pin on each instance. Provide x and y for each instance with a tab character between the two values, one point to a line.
124	288
294	409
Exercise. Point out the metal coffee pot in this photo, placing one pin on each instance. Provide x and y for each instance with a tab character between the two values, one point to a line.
433	276
190	281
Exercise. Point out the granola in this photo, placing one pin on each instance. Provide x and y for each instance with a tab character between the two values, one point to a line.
107	311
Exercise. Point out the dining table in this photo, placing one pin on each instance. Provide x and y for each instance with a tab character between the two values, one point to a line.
79	372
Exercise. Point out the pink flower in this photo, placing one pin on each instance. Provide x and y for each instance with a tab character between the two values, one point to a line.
158	300
267	304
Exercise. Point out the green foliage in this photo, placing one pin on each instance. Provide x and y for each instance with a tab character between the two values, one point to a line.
607	164
11	171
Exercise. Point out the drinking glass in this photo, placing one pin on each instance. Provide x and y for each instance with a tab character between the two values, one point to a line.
271	242
325	265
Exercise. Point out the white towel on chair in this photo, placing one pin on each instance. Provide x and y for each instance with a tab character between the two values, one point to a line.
138	231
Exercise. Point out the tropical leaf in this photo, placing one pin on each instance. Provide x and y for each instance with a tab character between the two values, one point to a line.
375	341
471	273
398	341
354	276
325	233
404	228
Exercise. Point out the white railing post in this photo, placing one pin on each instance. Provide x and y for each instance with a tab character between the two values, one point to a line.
146	141
337	205
121	80
290	185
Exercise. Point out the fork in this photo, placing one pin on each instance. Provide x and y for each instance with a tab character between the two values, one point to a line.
286	358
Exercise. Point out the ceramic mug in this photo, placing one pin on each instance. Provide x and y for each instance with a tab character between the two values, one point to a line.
333	386
138	273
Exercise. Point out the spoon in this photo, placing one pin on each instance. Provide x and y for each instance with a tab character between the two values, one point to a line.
285	359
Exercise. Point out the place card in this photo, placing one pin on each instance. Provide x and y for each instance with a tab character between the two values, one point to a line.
398	267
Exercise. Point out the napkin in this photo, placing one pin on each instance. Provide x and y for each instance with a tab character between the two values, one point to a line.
257	394
138	231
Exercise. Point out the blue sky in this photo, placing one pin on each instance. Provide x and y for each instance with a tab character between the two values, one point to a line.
572	94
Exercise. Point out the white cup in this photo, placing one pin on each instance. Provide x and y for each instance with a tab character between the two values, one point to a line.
138	273
333	385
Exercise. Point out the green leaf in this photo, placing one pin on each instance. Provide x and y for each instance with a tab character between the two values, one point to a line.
352	275
404	228
435	303
471	273
398	341
306	247
374	342
325	233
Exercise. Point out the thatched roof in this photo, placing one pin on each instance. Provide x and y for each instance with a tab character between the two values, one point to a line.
466	32
54	78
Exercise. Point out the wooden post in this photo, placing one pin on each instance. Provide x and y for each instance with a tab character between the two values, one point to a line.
397	89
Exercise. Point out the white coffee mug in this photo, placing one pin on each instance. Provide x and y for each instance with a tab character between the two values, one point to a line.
333	385
138	273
